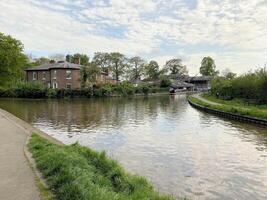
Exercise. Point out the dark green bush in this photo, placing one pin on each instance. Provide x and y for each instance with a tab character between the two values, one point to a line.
165	81
252	85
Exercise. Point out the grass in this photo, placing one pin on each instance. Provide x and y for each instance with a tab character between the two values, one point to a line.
74	172
237	106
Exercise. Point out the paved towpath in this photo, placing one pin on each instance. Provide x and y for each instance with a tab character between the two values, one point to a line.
17	180
198	96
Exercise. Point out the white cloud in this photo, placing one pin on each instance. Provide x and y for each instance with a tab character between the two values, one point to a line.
79	26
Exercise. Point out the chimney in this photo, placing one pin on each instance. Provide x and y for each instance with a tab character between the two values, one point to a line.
77	60
52	61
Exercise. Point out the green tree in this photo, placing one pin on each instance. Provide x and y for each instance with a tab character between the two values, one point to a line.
89	75
136	65
84	59
228	74
208	67
152	70
102	60
117	64
12	60
175	66
40	61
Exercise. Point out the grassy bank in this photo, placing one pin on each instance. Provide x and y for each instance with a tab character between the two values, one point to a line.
236	106
74	172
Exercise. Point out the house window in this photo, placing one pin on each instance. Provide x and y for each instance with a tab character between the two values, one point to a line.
55	74
54	85
34	76
68	86
44	75
68	74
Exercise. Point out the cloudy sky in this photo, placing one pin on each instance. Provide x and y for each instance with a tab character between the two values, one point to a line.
233	32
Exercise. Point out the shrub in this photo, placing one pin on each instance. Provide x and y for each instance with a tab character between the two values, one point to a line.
252	85
164	81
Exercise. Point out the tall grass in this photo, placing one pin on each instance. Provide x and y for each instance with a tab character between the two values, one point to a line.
250	86
78	173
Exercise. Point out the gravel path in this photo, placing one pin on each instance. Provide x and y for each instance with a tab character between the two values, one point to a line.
204	100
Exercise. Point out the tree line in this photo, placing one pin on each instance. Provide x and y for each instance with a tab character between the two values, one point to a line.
13	62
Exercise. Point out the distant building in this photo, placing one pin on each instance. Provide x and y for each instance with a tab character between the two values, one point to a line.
201	83
197	83
62	74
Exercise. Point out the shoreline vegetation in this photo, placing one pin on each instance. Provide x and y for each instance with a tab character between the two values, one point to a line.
37	91
235	106
76	172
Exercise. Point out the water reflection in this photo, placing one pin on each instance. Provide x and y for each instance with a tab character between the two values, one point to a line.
181	150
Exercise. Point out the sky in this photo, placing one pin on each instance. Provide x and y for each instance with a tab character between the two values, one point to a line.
232	32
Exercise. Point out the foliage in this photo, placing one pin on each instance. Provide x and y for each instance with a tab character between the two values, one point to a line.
228	74
136	65
125	88
208	67
117	64
102	60
175	66
41	61
252	85
164	81
152	70
84	59
12	60
89	75
75	172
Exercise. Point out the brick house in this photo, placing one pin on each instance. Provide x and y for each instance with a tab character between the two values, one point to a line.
61	75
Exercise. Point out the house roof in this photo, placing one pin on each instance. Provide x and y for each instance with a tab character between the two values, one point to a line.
200	78
58	65
177	84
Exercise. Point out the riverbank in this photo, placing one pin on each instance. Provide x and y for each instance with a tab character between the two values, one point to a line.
81	172
251	113
76	172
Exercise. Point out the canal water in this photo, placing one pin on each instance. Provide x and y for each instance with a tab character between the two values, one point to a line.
181	150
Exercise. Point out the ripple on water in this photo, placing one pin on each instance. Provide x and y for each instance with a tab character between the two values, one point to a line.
183	151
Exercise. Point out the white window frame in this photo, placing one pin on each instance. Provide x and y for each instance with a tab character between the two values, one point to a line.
55	74
34	76
44	76
54	85
68	84
68	72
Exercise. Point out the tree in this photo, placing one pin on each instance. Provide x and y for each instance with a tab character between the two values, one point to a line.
40	61
57	57
228	74
84	59
89	75
152	70
117	64
136	65
102	60
175	66
12	59
208	67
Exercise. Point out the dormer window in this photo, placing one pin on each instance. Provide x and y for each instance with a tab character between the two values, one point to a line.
68	74
34	76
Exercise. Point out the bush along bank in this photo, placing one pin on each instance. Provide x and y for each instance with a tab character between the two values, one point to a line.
27	90
74	172
251	86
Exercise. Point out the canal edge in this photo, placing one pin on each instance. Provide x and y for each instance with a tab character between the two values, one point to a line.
229	115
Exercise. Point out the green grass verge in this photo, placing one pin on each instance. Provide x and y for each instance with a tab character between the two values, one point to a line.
236	106
74	172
